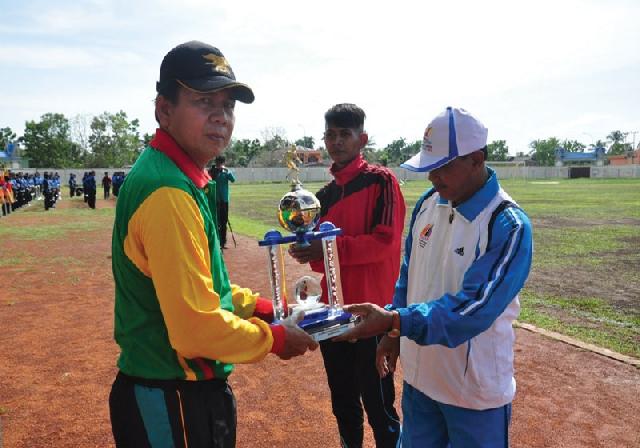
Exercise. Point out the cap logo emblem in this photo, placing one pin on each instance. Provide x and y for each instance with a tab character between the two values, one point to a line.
219	63
425	234
427	145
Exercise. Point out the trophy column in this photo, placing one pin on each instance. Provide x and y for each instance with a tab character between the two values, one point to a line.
332	269
276	275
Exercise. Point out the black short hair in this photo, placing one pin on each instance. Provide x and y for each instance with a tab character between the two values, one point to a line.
169	91
220	159
345	115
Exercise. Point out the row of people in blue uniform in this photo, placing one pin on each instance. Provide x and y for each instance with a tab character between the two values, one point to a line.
50	189
24	188
19	189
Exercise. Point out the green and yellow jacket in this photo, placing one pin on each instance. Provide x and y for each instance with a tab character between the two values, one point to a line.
176	314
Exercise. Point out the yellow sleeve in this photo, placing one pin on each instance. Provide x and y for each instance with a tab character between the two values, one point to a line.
244	301
167	242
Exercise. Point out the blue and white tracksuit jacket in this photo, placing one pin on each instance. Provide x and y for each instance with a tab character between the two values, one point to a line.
457	296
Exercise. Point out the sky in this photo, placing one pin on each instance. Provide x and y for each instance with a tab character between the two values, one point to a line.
527	69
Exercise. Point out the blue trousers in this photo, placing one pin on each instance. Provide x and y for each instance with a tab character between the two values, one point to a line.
430	424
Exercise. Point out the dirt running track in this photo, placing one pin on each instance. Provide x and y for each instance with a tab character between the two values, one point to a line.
57	361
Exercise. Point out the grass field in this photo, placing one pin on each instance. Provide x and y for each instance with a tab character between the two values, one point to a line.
585	280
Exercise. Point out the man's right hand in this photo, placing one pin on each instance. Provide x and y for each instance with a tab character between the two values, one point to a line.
306	253
296	340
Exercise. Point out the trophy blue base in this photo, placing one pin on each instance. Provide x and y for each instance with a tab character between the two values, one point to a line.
321	326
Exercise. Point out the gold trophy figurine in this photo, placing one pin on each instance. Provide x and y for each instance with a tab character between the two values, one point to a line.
292	161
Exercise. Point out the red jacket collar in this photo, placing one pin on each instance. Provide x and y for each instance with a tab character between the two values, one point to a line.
350	171
164	143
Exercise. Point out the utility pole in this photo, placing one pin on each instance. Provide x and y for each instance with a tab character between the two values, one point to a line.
633	148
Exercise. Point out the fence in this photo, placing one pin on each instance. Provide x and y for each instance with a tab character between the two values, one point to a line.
321	174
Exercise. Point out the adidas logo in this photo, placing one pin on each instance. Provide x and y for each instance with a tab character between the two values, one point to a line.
460	251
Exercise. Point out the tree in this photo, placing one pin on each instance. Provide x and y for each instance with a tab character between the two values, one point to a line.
398	151
411	150
48	143
370	153
242	152
273	149
306	142
80	130
598	144
497	151
115	142
618	145
146	139
392	153
6	136
544	151
572	146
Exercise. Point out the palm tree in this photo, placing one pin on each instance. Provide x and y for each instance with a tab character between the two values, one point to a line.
618	145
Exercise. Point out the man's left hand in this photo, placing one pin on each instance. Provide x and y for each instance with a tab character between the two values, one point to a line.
387	355
375	321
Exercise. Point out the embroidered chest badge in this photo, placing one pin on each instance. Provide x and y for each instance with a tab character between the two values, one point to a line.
425	234
460	251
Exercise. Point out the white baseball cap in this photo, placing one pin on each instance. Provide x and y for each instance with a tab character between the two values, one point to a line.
453	133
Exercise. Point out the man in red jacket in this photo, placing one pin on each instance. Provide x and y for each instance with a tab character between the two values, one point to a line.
365	201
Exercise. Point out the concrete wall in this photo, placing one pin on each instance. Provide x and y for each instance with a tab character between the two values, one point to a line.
321	174
615	171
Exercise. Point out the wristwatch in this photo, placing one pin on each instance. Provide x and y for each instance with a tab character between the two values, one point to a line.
394	332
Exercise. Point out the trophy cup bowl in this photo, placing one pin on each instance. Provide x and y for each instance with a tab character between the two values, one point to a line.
299	210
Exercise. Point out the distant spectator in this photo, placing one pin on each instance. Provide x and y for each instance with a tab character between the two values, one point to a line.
116	181
37	179
90	189
49	190
221	174
106	185
72	185
5	198
56	178
85	176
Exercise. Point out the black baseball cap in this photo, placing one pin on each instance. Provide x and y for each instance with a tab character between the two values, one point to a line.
203	68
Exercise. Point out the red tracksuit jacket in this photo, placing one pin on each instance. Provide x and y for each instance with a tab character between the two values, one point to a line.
366	202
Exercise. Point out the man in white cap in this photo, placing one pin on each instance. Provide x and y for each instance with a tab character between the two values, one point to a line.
467	255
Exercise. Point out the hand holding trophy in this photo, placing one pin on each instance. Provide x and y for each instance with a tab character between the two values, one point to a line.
299	213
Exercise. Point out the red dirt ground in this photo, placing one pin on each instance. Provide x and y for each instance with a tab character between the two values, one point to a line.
57	362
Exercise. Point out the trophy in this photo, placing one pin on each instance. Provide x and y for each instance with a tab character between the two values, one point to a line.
298	213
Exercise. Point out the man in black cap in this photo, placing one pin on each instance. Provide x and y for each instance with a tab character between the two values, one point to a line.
179	322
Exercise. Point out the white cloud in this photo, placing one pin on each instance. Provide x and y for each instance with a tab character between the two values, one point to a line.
58	57
528	69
